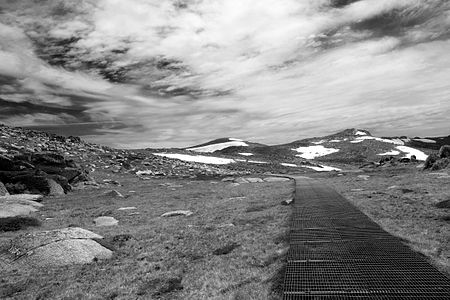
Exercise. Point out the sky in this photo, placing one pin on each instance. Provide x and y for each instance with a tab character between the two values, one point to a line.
175	73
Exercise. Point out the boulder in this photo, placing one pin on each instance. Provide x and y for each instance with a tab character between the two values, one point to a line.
54	188
276	179
254	179
177	213
105	221
431	159
33	182
444	152
241	180
19	205
59	247
113	194
62	181
441	164
3	190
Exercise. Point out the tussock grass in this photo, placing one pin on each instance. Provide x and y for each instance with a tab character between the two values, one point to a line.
405	202
225	250
17	223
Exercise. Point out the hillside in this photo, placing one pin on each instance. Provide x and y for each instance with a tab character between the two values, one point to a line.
86	221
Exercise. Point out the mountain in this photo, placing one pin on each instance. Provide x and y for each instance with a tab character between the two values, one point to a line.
350	146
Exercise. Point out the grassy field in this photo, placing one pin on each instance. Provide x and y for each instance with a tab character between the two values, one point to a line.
402	200
232	247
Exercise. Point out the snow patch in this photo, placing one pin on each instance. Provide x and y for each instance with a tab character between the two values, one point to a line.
366	137
411	151
246	154
319	142
392	152
233	139
335	141
198	158
356	141
322	168
312	152
425	141
288	165
360	133
217	147
257	162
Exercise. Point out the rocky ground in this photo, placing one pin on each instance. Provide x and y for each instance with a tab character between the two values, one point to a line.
83	221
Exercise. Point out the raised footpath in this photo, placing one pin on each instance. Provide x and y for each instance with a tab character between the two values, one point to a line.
337	252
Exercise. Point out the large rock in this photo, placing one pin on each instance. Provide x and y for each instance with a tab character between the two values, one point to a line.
19	205
276	179
429	162
444	152
54	188
59	247
3	190
34	183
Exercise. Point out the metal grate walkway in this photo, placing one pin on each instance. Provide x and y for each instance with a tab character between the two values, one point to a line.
337	252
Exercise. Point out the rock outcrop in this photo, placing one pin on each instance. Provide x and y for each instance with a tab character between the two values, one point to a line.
59	247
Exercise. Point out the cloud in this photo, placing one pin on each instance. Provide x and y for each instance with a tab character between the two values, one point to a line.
179	72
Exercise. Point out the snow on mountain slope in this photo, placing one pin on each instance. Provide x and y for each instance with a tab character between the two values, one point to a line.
219	145
411	151
312	152
198	158
392	152
360	139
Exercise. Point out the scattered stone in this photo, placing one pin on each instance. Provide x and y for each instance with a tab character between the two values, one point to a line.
357	190
405	191
58	247
235	184
228	179
226	249
110	181
241	180
113	194
175	213
276	179
3	190
364	177
392	187
127	208
443	204
254	179
287	201
105	221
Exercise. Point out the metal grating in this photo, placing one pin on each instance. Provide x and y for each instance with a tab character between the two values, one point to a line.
337	252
